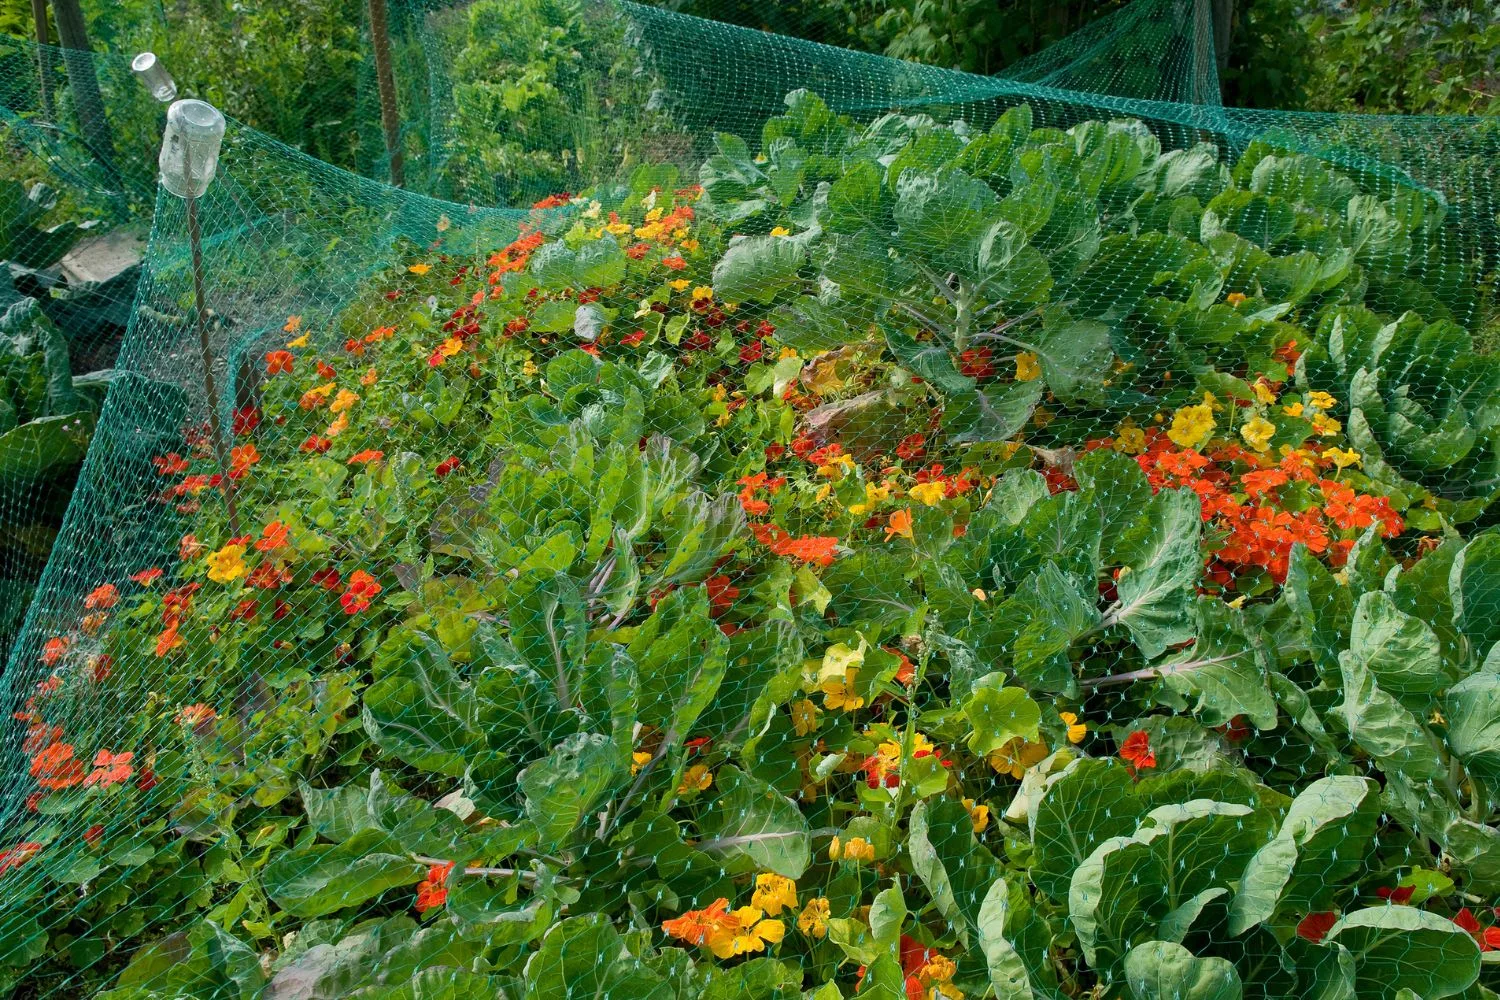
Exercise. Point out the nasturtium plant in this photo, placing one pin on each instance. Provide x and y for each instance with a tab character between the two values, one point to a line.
902	559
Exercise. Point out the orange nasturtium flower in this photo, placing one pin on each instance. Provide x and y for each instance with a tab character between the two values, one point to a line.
54	767
900	524
362	589
432	891
242	456
699	926
1136	750
14	857
196	715
53	649
345	400
169	640
102	597
366	456
110	769
278	362
272	537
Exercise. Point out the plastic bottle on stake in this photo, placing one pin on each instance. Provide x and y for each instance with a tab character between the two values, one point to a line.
190	147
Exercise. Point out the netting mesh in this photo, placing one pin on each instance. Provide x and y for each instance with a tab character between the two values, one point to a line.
793	524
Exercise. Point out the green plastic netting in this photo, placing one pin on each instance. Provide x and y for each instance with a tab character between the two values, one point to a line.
82	138
847	528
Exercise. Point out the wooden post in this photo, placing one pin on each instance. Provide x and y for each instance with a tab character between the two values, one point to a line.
205	348
390	115
39	15
73	33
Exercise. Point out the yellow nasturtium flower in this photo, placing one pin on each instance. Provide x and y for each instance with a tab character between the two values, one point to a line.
1076	730
227	564
1130	439
813	921
1342	459
804	716
874	495
930	494
751	934
858	850
1325	425
1028	368
773	893
1321	400
1257	432
697	778
839	694
1191	426
1017	755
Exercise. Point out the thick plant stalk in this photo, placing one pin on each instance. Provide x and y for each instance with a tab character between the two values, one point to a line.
390	115
72	32
39	15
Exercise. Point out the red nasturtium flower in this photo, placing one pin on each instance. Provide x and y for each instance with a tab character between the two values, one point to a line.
1136	750
147	577
721	594
170	464
447	466
246	419
432	891
362	588
1315	926
976	362
1400	895
316	445
1488	938
911	447
53	649
327	578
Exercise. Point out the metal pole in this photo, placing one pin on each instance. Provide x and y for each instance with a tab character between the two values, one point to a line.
390	115
39	15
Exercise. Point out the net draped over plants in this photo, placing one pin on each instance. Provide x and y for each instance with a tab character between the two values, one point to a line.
756	520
